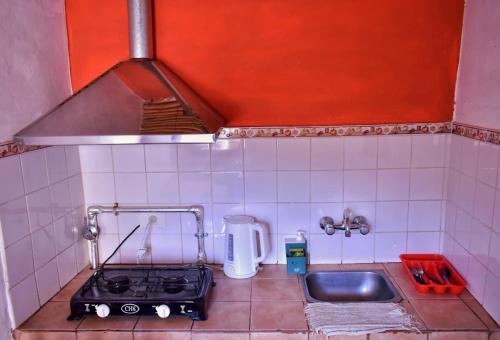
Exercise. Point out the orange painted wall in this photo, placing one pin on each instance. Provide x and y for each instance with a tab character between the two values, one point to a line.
291	62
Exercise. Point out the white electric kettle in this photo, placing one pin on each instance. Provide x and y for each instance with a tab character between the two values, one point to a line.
241	258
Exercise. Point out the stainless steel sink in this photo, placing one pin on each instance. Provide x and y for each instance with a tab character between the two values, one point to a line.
349	286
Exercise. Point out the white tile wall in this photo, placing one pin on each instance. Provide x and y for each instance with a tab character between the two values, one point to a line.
397	182
289	183
41	213
472	233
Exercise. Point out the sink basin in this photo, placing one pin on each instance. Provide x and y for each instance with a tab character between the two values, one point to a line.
349	286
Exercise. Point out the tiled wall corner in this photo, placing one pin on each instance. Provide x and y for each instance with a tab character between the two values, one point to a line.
472	223
395	181
41	214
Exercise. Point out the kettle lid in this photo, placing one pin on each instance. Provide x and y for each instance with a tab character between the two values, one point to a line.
239	219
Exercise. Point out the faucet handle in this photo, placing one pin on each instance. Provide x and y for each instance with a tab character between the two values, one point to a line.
359	220
326	223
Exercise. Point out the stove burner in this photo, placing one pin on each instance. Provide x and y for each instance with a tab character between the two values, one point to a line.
118	284
174	284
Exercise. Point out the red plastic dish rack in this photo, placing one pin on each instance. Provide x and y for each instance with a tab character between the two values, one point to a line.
433	265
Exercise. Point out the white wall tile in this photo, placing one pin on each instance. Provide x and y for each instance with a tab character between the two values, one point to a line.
394	151
428	151
263	212
469	156
219	250
128	251
463	228
388	246
227	187
166	249
480	241
260	154
294	154
96	158
19	260
108	223
293	186
14	221
391	216
107	244
491	294
327	186
466	192
227	155
190	248
319	210
195	187
64	233
99	188
260	187
39	209
272	250
163	187
73	160
476	278
360	152
24	300
366	209
189	225
487	164
47	281
10	167
34	170
161	157
423	242
494	256
496	213
393	184
360	185
194	157
358	248
426	184
327	153
82	255
76	191
128	158
60	198
131	187
66	266
325	248
293	217
455	151
424	216
43	246
221	210
484	203
450	218
56	163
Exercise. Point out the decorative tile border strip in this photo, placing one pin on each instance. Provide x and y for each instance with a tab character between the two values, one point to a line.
478	133
482	134
11	149
337	130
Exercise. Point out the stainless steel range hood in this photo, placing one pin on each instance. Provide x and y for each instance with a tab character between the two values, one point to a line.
137	101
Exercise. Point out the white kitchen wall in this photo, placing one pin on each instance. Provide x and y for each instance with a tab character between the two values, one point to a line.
41	214
472	227
397	182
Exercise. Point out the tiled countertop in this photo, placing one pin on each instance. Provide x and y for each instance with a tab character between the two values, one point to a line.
267	306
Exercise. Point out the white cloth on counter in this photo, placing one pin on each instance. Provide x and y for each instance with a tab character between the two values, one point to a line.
354	318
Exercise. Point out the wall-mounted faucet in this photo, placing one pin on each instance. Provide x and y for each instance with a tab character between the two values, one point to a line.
348	224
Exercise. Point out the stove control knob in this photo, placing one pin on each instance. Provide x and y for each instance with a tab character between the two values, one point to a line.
102	310
163	311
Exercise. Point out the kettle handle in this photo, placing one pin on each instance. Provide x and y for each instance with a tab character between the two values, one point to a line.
258	227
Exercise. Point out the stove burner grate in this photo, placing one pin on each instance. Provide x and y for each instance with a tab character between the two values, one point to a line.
174	284
118	284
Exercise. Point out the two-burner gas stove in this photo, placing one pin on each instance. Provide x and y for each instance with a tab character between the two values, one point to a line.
145	291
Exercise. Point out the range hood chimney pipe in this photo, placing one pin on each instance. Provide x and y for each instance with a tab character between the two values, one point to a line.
140	26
